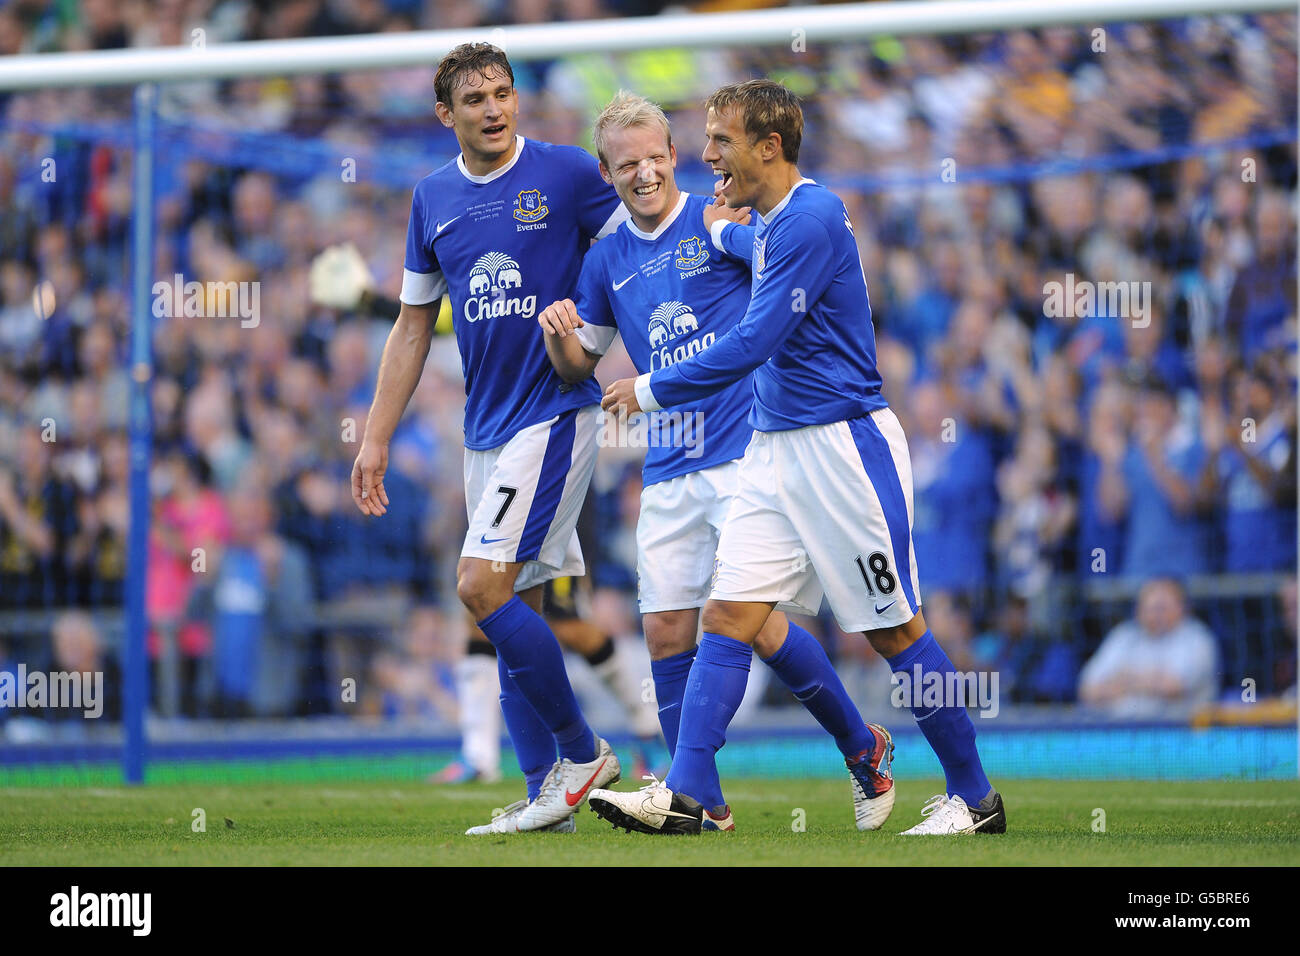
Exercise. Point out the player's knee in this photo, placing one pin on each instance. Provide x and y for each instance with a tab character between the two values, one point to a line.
481	589
772	636
737	621
892	641
670	632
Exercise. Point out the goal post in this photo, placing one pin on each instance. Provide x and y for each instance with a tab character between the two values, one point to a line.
821	24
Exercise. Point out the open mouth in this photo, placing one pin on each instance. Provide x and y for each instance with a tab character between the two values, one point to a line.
645	192
722	184
494	130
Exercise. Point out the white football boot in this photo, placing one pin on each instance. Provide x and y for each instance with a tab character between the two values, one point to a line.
945	816
653	809
567	785
872	781
507	821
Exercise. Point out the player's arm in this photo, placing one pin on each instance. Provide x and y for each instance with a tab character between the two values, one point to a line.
800	260
730	230
734	240
560	323
578	331
403	361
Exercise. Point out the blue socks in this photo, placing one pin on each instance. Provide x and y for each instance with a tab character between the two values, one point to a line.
948	728
535	665
670	684
534	744
714	690
803	666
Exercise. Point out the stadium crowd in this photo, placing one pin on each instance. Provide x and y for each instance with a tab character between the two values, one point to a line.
1050	447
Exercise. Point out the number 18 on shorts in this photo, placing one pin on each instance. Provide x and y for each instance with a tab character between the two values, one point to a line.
825	510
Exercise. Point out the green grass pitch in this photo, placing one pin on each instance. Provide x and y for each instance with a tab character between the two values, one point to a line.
351	824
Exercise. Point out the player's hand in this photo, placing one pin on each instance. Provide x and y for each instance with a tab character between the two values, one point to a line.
560	318
339	277
368	480
620	398
718	209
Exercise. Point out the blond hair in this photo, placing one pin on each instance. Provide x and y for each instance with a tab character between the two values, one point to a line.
624	111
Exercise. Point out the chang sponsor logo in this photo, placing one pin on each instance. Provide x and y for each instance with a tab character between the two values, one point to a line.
670	322
491	280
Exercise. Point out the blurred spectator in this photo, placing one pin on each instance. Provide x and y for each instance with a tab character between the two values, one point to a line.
1264	293
190	525
1153	480
1033	670
37	519
954	497
1250	473
97	552
70	703
76	647
257	601
1035	518
1162	663
418	678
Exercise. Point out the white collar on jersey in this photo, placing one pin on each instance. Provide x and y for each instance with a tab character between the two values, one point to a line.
772	213
496	173
659	230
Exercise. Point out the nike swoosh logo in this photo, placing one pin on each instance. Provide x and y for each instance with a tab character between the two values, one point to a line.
882	610
674	813
444	225
484	539
619	285
573	799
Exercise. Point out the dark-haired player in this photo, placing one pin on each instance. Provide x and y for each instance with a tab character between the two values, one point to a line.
500	229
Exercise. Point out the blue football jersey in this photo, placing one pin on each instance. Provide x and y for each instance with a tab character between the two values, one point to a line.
671	294
501	246
807	331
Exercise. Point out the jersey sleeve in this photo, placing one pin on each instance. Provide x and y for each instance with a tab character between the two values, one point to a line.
733	239
800	260
422	280
594	308
599	209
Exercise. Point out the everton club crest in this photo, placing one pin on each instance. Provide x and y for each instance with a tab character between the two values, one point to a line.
691	253
530	206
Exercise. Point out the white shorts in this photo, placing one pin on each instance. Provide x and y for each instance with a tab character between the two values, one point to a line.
825	509
524	497
677	537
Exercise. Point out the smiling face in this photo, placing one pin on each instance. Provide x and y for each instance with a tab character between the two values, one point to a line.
484	112
640	164
737	161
